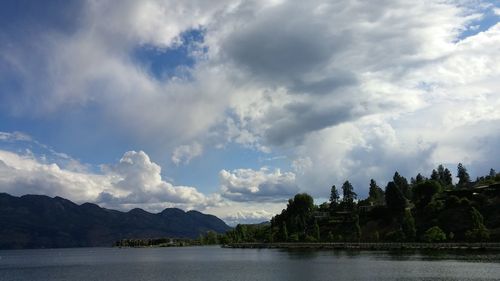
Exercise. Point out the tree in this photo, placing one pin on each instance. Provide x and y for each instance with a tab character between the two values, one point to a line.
302	204
419	178
492	174
348	195
447	178
479	232
434	234
435	175
408	226
317	234
423	192
394	198
283	232
463	176
334	198
402	184
348	192
443	176
376	194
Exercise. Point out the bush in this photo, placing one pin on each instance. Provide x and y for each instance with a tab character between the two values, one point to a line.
434	234
395	236
480	234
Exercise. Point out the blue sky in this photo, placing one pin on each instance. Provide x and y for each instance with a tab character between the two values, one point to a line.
231	108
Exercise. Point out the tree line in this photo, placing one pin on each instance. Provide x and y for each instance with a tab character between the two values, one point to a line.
423	209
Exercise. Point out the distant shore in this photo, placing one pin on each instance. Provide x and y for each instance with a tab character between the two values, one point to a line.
366	246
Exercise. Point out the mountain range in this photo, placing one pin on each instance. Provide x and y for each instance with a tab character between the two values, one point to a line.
38	221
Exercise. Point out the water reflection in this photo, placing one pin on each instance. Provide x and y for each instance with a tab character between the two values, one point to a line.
214	263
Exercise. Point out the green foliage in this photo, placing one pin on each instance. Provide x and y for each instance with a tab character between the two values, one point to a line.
432	210
394	198
317	234
395	236
408	226
434	234
283	234
376	194
480	234
402	184
424	192
442	176
294	237
419	179
334	198
463	176
348	195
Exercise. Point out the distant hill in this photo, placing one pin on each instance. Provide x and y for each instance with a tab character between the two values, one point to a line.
37	221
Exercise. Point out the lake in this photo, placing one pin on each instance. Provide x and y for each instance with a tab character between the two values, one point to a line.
218	264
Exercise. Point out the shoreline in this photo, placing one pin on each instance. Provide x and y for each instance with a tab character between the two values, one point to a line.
366	246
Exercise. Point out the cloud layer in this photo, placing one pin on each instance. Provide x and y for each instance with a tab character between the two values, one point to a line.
345	90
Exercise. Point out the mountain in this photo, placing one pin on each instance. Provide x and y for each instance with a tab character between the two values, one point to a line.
38	221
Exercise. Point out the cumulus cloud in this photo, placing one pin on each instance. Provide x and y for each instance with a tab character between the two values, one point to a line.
348	89
139	181
24	174
257	185
134	181
248	217
184	153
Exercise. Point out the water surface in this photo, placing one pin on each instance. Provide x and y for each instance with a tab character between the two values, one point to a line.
218	264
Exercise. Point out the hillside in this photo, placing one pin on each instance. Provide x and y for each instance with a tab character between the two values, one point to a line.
37	221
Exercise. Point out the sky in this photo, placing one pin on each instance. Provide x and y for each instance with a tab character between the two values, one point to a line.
232	107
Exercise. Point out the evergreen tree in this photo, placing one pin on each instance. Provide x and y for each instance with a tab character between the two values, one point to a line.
348	192
394	198
408	226
376	194
447	178
402	184
419	178
492	173
435	175
348	195
334	198
463	176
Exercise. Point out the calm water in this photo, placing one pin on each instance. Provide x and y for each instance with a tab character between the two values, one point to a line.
214	263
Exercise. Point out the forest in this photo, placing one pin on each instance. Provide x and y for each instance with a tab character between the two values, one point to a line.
423	209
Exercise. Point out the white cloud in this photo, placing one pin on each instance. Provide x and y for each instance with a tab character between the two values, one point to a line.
134	181
21	175
234	212
359	89
257	185
184	153
248	217
13	137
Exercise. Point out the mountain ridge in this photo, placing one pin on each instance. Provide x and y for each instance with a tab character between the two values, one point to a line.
40	221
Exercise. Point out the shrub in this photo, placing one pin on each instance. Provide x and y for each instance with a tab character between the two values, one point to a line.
434	234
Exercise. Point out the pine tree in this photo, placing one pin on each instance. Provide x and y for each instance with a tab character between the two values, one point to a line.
402	184
376	194
394	198
463	176
447	178
348	195
334	195
492	173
